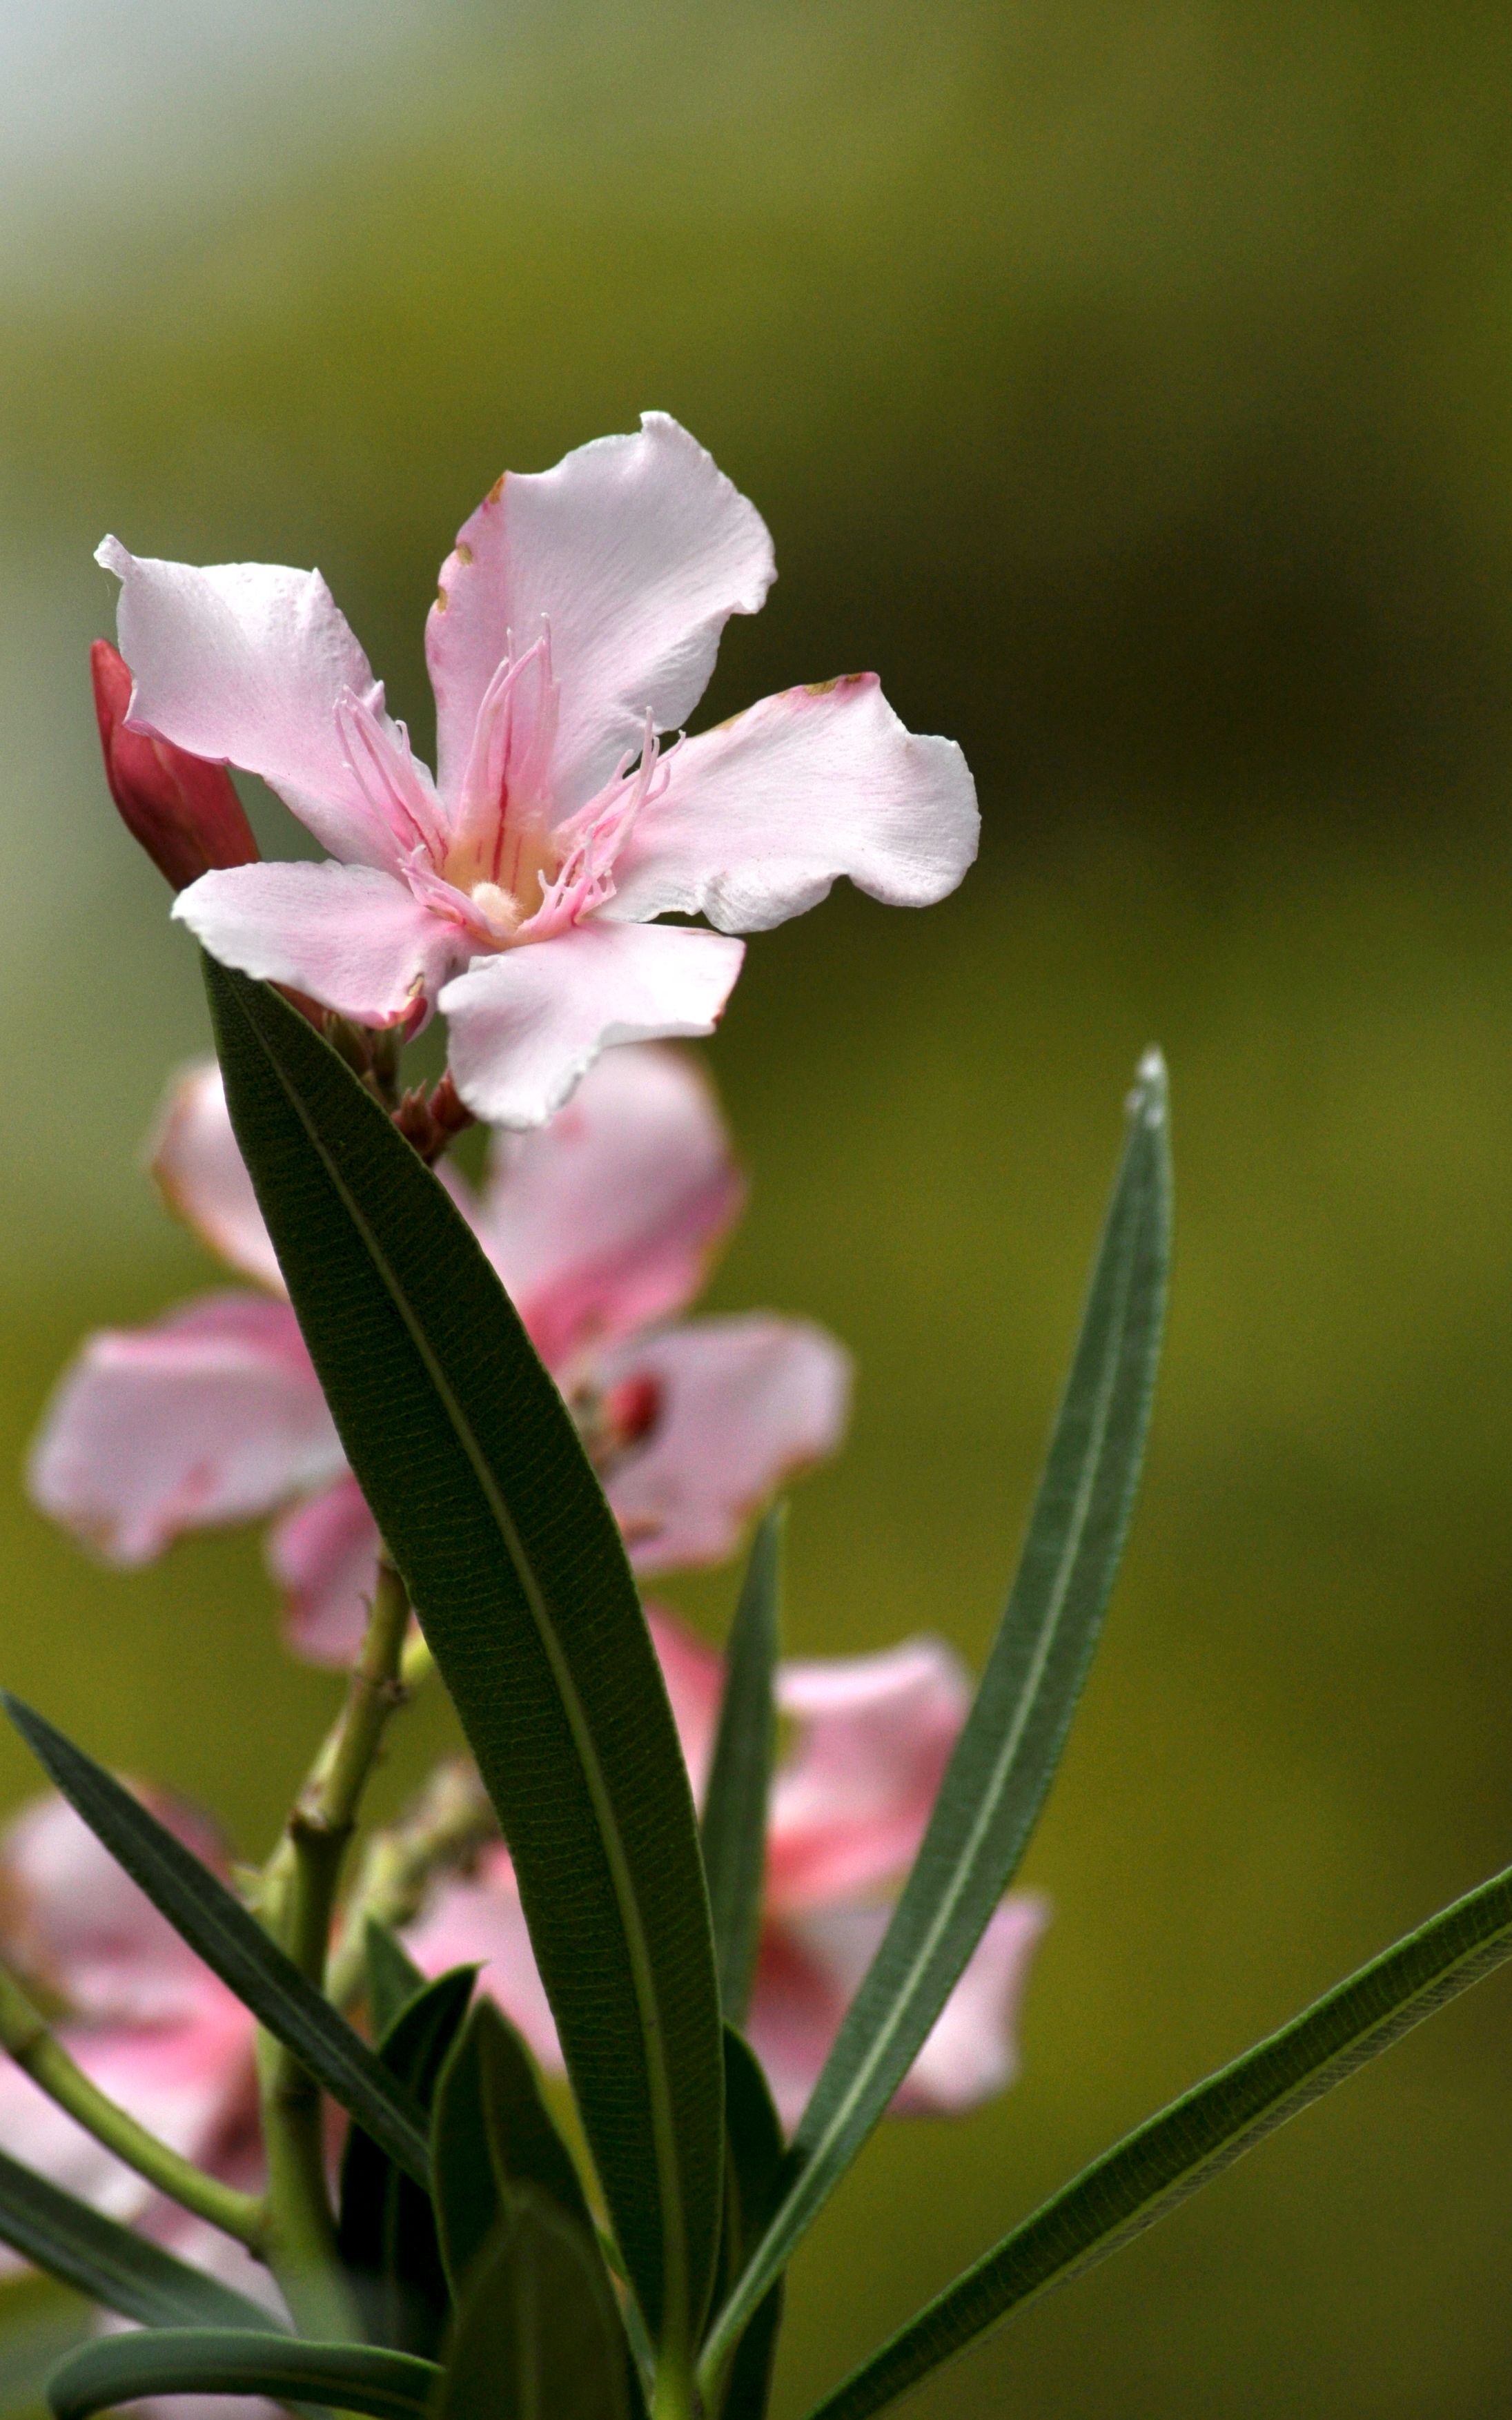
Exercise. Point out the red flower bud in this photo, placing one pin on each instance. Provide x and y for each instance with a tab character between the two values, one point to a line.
184	811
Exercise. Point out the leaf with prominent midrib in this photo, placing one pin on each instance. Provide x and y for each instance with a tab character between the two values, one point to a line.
1155	2168
537	2336
1006	1757
386	2233
236	2360
732	1834
126	2273
232	1943
484	1497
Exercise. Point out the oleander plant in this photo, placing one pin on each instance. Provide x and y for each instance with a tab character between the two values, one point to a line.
516	2106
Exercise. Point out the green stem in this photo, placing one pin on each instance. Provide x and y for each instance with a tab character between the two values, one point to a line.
298	1900
673	2395
24	2033
449	1820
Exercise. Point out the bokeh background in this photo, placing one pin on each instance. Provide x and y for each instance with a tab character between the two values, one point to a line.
1131	385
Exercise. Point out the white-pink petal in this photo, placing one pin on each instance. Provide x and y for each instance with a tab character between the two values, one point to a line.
35	2131
694	1674
973	2051
324	1557
203	1178
74	1921
633	553
211	1415
358	940
740	1404
811	1967
760	818
605	1218
477	1920
527	1025
873	1734
247	664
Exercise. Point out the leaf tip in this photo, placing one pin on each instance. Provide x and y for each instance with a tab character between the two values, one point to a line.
1148	1099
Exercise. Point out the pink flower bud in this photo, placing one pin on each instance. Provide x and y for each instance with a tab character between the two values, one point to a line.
185	812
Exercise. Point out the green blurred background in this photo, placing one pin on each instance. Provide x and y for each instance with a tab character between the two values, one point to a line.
1131	387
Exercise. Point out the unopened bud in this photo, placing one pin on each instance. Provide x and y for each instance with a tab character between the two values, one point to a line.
184	811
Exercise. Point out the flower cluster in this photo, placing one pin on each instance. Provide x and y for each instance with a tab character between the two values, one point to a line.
519	891
601	1225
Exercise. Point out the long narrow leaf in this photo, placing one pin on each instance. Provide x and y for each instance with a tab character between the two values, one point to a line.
479	1482
386	2231
753	2181
124	2271
231	2361
1006	1757
231	1941
734	1830
1155	2168
393	1978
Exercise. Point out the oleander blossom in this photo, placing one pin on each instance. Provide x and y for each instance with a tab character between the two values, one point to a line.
601	1225
576	624
146	2022
870	1737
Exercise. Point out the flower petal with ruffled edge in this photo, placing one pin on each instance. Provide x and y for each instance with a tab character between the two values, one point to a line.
248	663
606	1218
527	1025
740	1406
635	551
198	1168
354	938
758	819
211	1415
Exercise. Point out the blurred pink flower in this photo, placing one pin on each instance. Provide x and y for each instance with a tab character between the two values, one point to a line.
144	2019
871	1736
576	620
601	1225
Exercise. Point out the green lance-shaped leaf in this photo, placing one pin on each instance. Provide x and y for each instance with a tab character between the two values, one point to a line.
1006	1757
537	2336
480	1485
236	2360
734	1830
1188	2144
394	1979
753	2177
231	1941
491	2135
123	2272
386	2234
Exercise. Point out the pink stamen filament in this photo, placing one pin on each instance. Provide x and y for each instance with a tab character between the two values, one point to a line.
386	776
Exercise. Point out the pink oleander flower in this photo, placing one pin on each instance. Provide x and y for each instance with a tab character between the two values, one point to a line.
871	1736
145	2020
577	622
601	1225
